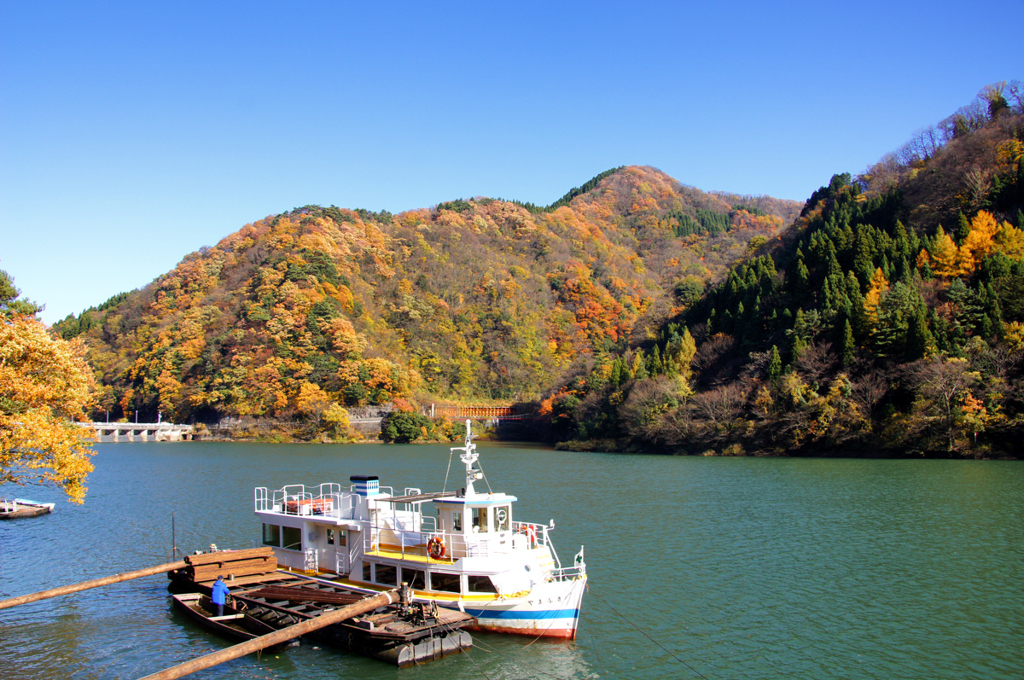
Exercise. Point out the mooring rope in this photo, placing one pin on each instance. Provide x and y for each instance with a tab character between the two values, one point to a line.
659	645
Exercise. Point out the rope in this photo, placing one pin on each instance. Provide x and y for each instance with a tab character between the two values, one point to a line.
451	453
659	645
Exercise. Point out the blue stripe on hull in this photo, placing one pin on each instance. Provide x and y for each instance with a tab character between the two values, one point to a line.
544	614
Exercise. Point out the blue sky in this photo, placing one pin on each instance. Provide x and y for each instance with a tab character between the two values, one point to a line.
134	133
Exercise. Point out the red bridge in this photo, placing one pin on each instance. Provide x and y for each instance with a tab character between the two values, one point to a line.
474	412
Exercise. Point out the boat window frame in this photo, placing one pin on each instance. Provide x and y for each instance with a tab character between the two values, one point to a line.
481	520
507	523
277	534
445	576
293	532
474	581
386	568
418	580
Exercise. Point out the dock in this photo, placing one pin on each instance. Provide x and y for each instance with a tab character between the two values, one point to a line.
404	634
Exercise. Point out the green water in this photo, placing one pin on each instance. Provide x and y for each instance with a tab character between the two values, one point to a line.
699	567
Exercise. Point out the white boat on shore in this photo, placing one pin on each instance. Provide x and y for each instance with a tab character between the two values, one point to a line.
17	508
461	548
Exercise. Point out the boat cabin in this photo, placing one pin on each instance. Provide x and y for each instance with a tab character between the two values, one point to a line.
458	542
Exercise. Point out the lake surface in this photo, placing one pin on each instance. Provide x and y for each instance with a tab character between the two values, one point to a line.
718	568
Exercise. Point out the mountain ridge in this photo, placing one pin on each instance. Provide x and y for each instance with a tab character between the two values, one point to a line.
474	299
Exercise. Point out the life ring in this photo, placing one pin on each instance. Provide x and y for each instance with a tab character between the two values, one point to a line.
435	548
531	534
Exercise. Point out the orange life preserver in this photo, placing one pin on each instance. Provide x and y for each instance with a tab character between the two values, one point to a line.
531	534
435	548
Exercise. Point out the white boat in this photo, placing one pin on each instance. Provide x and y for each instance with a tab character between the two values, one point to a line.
19	507
462	549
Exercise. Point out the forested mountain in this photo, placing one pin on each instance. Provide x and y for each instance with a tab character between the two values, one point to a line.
888	319
299	315
884	316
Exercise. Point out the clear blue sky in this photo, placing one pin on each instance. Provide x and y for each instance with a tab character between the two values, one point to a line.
133	133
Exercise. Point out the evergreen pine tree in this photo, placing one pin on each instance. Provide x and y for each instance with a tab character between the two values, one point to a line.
963	228
774	365
640	366
615	379
847	346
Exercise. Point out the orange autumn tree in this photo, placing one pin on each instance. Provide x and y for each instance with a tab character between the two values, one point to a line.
45	384
986	235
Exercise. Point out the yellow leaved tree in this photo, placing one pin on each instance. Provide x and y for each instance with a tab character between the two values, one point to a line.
45	384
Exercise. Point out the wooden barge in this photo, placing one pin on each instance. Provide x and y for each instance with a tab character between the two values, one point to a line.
404	634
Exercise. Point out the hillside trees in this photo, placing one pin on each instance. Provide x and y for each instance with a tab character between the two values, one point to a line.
839	337
477	299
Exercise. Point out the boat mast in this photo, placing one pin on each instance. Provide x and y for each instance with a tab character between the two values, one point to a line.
469	457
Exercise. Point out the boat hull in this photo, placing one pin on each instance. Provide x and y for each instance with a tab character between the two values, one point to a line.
552	609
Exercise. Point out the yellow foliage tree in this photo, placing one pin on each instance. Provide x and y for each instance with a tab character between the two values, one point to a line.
874	297
945	256
1010	240
45	384
336	419
980	240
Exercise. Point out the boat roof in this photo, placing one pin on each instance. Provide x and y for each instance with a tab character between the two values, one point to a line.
416	498
449	497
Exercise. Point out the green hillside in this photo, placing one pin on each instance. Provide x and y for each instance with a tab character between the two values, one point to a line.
887	320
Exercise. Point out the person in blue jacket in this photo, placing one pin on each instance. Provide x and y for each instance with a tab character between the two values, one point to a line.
218	594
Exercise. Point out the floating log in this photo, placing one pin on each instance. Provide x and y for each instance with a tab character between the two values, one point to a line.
309	625
95	583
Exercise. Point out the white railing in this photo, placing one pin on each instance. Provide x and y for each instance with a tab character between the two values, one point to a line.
296	499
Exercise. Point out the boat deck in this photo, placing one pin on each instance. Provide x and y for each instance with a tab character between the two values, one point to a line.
412	553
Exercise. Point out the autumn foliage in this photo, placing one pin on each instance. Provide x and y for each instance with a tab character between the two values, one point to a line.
45	385
473	300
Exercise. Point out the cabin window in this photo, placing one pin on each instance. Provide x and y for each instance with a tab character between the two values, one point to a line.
292	538
480	519
456	521
501	518
448	583
416	578
342	537
386	575
272	535
481	584
367	573
330	537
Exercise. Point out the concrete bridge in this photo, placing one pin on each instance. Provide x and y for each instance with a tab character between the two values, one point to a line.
140	432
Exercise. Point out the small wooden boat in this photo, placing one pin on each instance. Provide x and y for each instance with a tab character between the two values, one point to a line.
234	625
19	507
